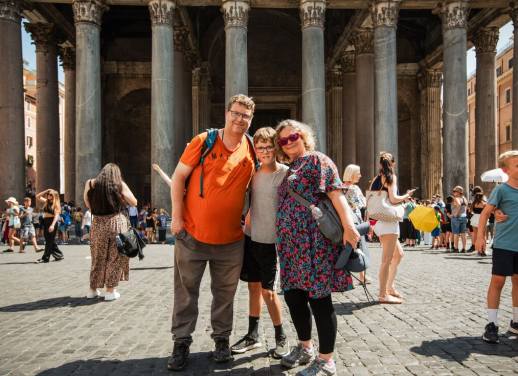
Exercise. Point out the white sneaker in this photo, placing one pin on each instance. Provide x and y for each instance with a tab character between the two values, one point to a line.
92	294
113	296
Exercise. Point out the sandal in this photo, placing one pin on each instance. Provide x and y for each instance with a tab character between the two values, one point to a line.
389	299
395	294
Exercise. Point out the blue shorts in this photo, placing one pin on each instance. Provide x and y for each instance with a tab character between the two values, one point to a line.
458	225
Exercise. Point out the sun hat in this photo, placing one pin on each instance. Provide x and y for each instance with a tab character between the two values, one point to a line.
11	200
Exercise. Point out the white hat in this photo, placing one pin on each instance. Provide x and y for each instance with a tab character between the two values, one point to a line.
11	200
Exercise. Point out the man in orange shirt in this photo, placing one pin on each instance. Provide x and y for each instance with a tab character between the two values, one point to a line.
208	229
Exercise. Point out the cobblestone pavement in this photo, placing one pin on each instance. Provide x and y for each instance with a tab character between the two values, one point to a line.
48	328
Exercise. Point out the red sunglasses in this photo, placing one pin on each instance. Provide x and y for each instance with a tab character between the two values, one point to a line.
283	141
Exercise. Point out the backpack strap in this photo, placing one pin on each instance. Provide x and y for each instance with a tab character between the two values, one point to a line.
208	145
252	148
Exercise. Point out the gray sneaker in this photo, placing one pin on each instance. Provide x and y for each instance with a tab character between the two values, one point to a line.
298	356
318	367
282	348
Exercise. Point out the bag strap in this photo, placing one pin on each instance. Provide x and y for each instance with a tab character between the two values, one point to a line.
208	145
301	200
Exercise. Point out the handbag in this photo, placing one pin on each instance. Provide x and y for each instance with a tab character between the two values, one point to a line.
16	222
130	243
355	259
380	208
326	216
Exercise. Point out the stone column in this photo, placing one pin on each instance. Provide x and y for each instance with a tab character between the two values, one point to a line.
384	14
514	127
235	15
180	100
312	16
455	157
12	139
486	137
431	165
68	59
366	156
348	62
47	101
88	17
200	98
163	128
334	126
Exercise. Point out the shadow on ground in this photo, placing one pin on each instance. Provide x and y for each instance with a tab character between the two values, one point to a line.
199	364
18	263
63	301
460	348
153	268
349	307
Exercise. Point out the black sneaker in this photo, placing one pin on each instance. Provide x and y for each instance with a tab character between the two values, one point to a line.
245	344
513	327
179	357
221	353
491	333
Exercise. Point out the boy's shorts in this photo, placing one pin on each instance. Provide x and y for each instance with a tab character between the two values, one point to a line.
505	263
27	232
259	263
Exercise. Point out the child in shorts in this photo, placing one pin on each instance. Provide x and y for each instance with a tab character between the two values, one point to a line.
260	256
505	245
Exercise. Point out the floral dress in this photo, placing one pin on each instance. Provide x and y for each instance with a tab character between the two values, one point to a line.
356	200
306	257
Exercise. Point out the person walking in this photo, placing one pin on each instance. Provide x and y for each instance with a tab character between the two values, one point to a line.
306	257
356	201
206	221
476	208
107	195
51	214
388	231
27	231
13	215
86	225
459	219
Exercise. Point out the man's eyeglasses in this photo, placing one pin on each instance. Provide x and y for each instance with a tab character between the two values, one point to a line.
236	115
265	149
283	141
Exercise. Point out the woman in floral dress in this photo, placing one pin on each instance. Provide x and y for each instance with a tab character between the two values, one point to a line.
306	257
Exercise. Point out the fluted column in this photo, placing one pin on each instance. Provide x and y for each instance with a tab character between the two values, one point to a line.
486	137
88	18
47	101
12	138
235	15
349	144
454	22
164	131
365	154
431	166
514	128
384	14
68	59
312	16
334	125
201	98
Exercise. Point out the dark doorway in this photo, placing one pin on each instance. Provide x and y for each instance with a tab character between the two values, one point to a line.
268	118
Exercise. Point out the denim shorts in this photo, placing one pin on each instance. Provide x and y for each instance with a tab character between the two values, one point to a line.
458	225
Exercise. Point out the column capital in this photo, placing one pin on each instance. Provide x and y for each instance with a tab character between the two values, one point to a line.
89	11
348	61
235	13
161	12
384	12
429	78
454	14
363	40
334	77
68	57
10	10
312	13
485	40
43	35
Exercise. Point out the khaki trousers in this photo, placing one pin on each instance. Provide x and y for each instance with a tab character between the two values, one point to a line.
190	260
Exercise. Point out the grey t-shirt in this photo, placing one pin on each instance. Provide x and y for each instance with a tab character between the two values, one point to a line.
27	219
263	208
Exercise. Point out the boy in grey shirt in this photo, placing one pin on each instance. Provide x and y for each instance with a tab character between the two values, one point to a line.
260	258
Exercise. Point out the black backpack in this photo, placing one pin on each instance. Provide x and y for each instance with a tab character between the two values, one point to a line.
208	145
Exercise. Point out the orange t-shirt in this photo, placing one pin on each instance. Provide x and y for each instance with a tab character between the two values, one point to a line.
216	217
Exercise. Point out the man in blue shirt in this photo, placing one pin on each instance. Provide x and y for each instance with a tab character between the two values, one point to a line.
505	244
